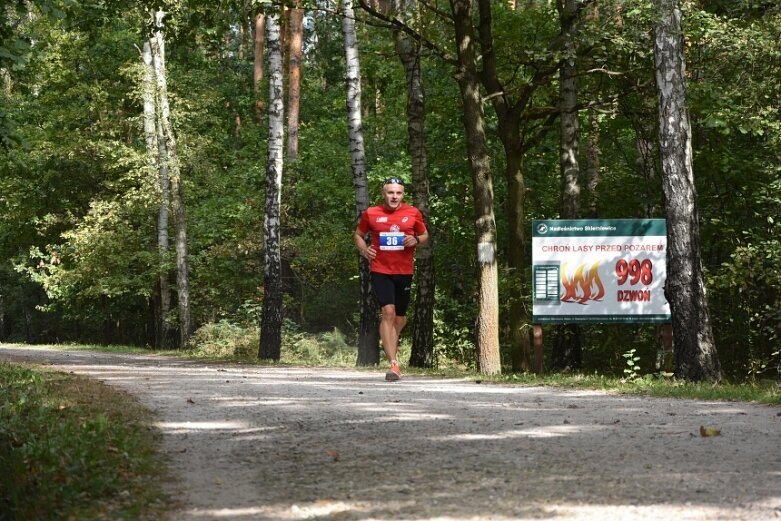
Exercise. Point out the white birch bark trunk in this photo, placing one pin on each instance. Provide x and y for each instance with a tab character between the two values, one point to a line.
177	192
369	332
695	350
257	70
271	315
164	336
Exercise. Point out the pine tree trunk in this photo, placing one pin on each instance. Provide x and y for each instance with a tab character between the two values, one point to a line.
644	164
566	352
422	354
294	81
177	190
593	166
271	315
509	134
695	351
164	333
369	329
487	323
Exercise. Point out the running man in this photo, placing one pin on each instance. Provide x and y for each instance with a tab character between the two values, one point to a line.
396	230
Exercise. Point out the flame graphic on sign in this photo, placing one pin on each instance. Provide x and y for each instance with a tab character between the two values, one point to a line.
584	284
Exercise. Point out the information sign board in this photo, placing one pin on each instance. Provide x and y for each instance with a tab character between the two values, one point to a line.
597	270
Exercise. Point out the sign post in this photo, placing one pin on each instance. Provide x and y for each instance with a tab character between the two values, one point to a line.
597	271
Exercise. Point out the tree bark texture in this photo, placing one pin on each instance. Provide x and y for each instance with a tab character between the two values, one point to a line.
566	353
369	328
294	81
593	165
487	323
155	145
644	163
422	354
177	190
509	133
695	351
569	127
259	60
271	314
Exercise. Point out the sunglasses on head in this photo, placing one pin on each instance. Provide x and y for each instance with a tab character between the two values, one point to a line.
393	181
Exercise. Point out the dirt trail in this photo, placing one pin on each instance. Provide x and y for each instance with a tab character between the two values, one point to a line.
262	443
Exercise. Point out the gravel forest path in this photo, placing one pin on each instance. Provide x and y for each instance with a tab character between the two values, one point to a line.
292	443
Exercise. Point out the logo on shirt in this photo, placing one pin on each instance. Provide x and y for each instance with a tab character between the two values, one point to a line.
395	228
405	219
382	219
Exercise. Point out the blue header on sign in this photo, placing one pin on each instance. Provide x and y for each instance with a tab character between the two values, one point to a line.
599	227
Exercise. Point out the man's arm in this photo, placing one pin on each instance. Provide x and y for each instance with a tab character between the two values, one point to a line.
360	244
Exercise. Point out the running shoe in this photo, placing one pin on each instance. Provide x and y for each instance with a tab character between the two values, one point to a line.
394	373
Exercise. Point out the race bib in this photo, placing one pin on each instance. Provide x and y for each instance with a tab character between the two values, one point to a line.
391	241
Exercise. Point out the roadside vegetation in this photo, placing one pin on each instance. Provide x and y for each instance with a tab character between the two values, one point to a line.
74	448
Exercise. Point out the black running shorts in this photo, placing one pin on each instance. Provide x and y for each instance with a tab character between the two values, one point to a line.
392	289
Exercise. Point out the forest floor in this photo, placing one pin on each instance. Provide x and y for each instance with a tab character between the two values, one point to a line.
291	443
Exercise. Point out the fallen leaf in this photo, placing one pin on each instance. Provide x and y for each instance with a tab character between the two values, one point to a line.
190	400
707	432
334	454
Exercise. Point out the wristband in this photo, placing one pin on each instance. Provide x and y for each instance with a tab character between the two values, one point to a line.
417	240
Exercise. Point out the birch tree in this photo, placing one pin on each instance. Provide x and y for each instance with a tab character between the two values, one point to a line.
369	328
257	69
695	350
155	145
271	315
171	158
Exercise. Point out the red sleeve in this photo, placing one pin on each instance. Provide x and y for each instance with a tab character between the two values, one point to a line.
363	222
420	224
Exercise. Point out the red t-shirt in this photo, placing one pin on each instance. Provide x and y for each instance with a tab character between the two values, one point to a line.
388	229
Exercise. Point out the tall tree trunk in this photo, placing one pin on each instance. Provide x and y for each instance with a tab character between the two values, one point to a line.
593	166
271	315
257	71
422	354
294	81
369	329
509	134
487	324
695	351
644	163
177	190
155	145
566	352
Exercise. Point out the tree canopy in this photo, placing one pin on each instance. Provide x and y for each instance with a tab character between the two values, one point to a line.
78	200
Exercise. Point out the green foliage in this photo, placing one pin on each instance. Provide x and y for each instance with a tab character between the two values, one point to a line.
73	450
631	371
761	392
78	201
224	339
328	348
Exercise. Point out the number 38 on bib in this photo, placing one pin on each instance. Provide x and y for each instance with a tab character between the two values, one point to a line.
391	241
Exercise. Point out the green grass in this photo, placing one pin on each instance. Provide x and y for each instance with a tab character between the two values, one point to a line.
767	392
73	448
